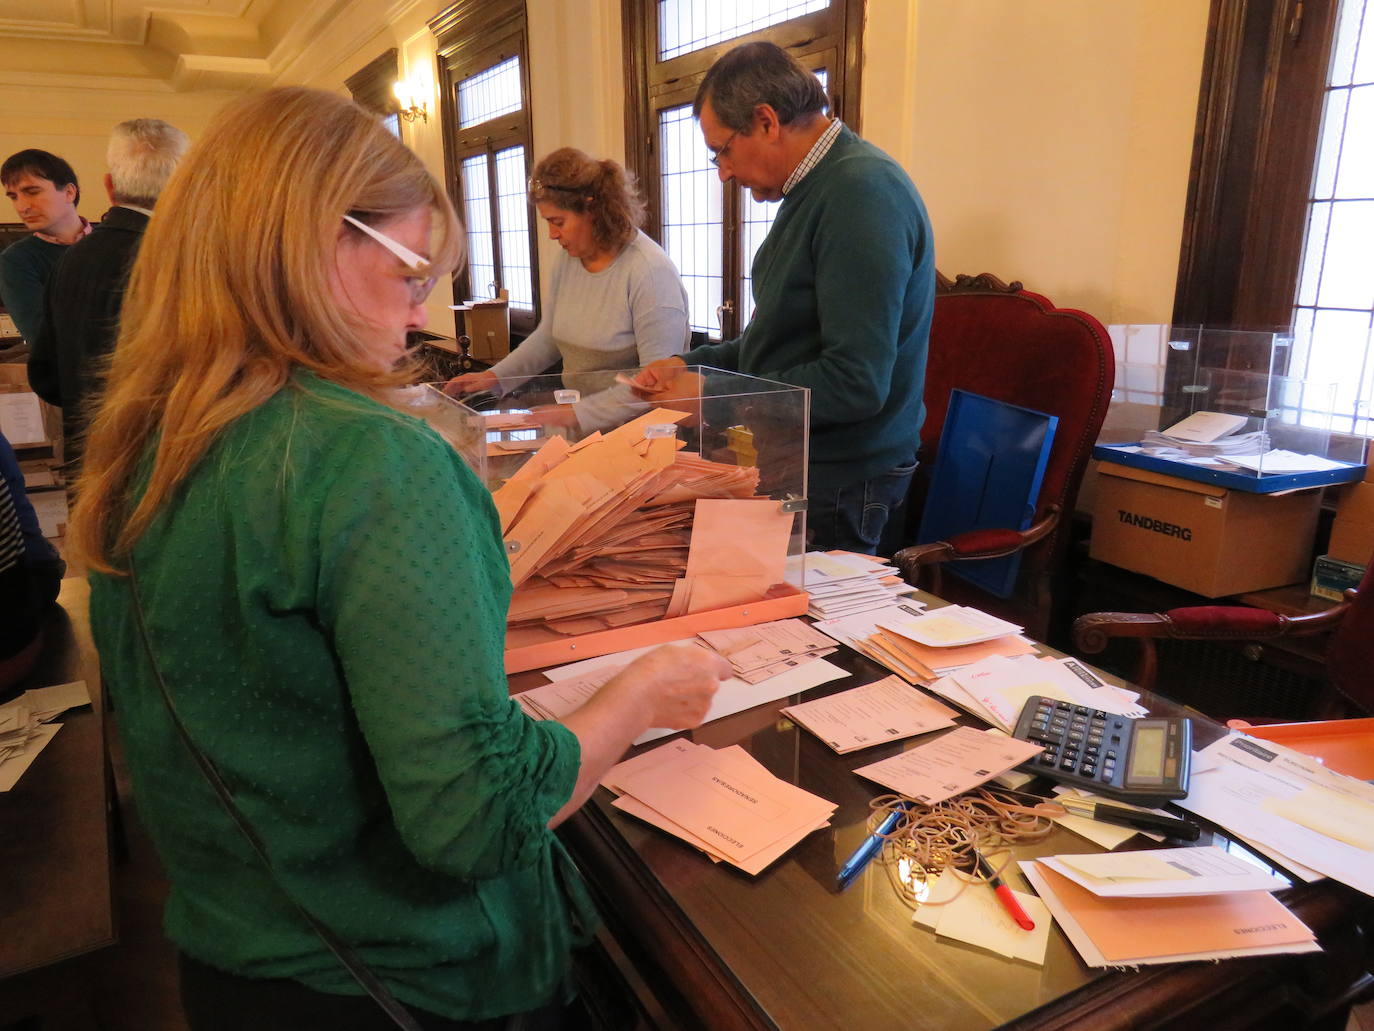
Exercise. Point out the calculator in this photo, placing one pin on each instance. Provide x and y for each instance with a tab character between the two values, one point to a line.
1135	760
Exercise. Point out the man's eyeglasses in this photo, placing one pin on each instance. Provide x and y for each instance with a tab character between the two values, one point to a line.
419	286
725	150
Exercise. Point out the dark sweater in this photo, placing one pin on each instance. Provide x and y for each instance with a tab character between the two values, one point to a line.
24	270
81	319
844	287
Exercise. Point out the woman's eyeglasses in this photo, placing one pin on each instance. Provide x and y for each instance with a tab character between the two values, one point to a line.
419	286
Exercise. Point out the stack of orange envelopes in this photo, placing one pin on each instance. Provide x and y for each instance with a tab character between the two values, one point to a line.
625	527
723	802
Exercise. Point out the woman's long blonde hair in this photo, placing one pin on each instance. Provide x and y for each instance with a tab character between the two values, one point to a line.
231	293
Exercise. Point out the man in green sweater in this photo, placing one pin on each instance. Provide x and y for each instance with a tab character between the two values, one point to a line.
43	189
844	286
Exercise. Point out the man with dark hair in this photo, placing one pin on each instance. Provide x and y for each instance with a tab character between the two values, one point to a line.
86	291
844	286
45	193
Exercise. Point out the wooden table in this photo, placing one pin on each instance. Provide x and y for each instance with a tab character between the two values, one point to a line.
715	948
54	836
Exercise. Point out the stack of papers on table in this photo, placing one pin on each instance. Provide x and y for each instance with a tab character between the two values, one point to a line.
996	689
841	583
723	802
1129	908
1311	820
885	710
24	727
766	649
1204	435
924	647
953	763
576	682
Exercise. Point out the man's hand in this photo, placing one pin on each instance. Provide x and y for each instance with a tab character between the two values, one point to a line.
471	383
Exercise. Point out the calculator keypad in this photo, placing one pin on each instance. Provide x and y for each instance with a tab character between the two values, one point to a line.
1078	740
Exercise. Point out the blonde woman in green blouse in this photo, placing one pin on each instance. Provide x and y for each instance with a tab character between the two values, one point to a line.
318	585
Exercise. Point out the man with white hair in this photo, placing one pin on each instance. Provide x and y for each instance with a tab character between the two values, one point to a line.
86	290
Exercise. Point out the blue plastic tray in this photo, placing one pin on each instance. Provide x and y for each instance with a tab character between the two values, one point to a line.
987	476
1236	479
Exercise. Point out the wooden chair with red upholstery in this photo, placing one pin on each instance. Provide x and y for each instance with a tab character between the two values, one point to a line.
1012	345
1349	650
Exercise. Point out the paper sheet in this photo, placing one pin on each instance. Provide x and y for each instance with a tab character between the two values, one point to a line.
953	763
13	768
875	713
977	917
1247	786
574	683
1163	873
737	808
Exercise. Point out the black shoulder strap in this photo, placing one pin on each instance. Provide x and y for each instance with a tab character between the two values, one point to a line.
369	981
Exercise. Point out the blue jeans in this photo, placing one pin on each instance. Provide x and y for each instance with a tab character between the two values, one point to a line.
852	518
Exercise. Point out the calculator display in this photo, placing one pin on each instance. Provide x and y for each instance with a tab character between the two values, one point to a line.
1147	754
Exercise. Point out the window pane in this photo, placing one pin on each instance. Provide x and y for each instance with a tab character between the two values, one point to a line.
515	227
1347	278
489	94
392	124
477	215
758	219
1318	218
1355	177
688	25
1329	152
691	201
1364	57
1352	12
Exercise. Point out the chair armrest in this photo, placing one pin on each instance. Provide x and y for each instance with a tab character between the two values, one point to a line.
974	544
1092	632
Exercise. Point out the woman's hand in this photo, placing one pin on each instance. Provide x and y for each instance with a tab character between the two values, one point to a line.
554	415
657	378
674	685
472	383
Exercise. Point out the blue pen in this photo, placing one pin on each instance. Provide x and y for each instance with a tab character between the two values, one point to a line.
871	847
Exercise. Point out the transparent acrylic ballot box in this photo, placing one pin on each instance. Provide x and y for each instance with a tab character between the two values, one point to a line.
631	521
1280	434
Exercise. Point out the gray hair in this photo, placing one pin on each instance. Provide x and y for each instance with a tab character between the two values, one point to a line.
141	156
759	73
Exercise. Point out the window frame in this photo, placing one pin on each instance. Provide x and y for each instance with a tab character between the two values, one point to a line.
1254	156
472	36
652	86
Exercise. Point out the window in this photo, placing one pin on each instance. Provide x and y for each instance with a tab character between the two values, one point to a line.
484	106
1281	201
370	87
712	231
1335	300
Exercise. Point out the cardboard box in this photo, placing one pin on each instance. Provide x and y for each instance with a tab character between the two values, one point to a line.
1352	532
1331	577
1200	536
487	326
25	419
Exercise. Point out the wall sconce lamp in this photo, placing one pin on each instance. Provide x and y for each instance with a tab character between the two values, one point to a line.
411	97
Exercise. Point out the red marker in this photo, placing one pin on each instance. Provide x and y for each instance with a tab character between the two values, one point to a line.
1004	894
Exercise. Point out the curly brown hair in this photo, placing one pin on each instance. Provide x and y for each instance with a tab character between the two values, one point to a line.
573	181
